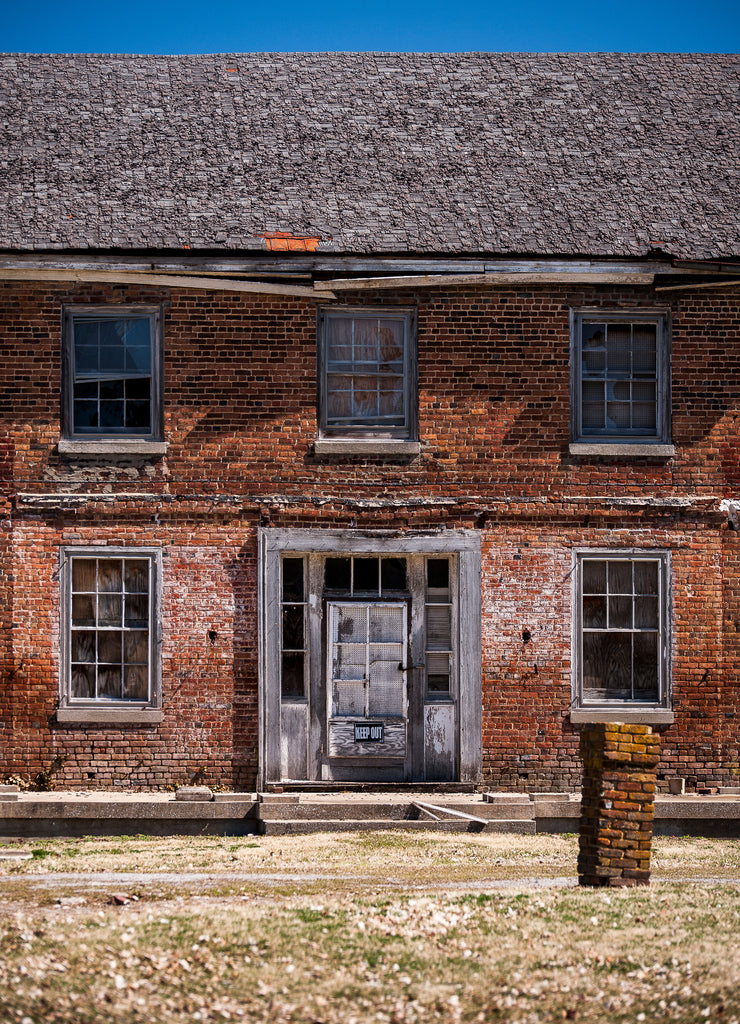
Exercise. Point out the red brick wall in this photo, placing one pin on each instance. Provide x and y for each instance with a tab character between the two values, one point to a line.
240	397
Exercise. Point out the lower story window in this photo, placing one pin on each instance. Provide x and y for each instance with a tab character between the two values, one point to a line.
622	626
109	602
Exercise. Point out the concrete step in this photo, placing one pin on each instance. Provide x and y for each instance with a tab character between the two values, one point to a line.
343	810
303	826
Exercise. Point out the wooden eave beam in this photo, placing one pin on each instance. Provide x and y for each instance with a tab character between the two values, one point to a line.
690	286
219	284
492	280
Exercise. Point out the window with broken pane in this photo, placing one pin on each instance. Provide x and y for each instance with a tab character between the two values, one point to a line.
293	629
112	374
621	377
110	628
623	627
366	372
371	575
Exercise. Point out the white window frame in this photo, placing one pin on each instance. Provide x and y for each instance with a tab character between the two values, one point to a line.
656	443
74	709
608	710
101	441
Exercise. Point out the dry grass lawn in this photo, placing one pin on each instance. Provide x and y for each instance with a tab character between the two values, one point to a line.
366	927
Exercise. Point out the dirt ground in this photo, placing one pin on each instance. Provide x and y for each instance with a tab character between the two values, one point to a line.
363	927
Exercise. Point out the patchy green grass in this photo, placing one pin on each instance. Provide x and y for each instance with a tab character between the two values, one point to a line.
390	932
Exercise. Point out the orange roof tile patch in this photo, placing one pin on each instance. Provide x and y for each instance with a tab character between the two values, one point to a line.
284	241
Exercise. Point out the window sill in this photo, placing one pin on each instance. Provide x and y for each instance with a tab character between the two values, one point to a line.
641	716
109	716
630	449
113	446
390	447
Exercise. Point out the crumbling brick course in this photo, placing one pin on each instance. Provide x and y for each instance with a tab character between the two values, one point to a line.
617	803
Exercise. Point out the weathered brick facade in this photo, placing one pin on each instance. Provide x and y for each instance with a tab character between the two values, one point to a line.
240	422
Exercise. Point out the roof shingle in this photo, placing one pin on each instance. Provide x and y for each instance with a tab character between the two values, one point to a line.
595	154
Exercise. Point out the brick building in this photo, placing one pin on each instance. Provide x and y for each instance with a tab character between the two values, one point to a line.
368	417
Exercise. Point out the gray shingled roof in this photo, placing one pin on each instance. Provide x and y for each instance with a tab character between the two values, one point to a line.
601	154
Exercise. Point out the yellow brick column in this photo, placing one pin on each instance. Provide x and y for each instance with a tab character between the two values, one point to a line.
617	803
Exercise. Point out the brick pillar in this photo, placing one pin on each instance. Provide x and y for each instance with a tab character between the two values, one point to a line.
617	803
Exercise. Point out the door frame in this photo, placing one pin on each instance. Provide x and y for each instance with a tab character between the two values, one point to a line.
274	543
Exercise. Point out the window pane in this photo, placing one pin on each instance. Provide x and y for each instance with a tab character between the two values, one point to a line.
138	416
111	415
137	610
137	576
293	627
646	577
292	579
620	613
391	340
607	666
365	399
138	360
366	575
593	417
618	415
109	682
83	575
337	574
112	390
594	612
593	352
85	415
292	684
135	682
110	579
644	350
366	340
438	573
439	630
83	681
83	610
110	609
109	646
350	624
620	577
644	417
438	673
339	347
136	647
594	577
393	573
646	613
86	360
646	666
618	350
83	646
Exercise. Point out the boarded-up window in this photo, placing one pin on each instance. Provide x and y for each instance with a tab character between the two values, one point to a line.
110	629
623	625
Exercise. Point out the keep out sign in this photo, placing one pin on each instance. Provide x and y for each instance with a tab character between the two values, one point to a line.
366	732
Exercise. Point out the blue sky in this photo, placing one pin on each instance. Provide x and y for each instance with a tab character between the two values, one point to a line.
223	26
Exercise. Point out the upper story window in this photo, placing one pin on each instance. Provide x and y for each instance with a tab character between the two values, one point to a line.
620	377
367	373
112	372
